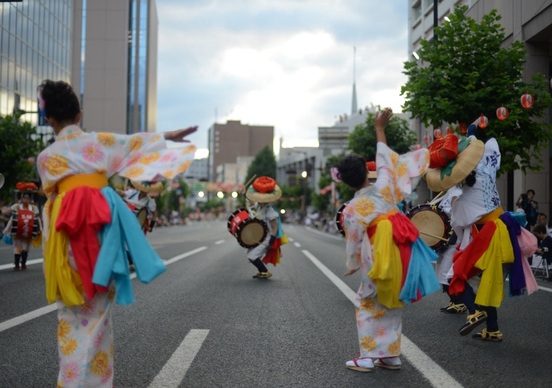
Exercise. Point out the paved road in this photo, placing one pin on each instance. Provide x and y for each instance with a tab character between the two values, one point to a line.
207	323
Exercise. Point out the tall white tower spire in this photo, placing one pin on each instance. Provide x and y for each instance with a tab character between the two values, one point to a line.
354	108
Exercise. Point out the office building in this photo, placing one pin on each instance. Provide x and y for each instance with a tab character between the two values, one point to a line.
35	44
114	61
229	141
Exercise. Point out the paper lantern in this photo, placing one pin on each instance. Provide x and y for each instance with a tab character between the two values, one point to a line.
462	128
502	113
437	133
527	101
483	121
449	131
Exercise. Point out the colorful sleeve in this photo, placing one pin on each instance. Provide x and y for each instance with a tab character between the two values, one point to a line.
354	233
400	173
145	157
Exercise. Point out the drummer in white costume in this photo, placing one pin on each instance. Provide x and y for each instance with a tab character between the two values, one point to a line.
265	191
444	263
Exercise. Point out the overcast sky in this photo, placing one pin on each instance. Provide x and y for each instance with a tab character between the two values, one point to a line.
285	63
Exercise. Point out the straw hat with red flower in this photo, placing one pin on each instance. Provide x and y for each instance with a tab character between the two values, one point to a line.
264	189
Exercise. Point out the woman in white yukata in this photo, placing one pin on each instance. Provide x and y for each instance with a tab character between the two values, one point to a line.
83	276
383	243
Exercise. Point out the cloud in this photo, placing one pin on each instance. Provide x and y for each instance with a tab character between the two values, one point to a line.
286	63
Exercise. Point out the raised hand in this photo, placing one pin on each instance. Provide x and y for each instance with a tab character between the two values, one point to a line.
179	135
382	118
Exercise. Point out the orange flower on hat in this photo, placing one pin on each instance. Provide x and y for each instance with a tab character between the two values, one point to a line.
264	184
443	151
25	186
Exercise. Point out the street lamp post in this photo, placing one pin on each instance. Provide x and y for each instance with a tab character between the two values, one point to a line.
304	175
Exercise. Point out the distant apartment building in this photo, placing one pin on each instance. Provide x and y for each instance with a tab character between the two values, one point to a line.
229	141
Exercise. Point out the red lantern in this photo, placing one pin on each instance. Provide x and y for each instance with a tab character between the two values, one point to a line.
462	128
437	133
449	131
502	113
527	101
483	121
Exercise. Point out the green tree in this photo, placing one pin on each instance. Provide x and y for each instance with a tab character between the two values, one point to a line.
264	164
19	147
467	71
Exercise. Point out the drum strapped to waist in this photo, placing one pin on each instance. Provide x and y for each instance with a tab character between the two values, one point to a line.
141	214
25	224
248	230
339	219
433	224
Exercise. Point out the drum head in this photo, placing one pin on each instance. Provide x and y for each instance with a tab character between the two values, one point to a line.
251	233
432	223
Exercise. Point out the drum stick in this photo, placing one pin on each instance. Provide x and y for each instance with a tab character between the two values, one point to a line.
437	199
249	182
432	235
245	189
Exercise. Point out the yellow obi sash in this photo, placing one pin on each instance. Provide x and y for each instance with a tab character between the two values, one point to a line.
387	269
382	217
61	279
491	216
91	180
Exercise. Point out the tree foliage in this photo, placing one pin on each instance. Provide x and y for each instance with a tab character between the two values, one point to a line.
264	164
19	147
467	71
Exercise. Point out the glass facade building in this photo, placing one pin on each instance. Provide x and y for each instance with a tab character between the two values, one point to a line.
35	44
137	65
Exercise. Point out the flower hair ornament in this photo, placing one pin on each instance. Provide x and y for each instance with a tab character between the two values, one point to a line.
334	172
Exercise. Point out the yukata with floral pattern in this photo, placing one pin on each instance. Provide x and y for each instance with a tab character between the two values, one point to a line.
84	298
371	220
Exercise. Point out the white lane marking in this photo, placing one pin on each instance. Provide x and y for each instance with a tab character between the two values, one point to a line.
184	255
437	376
29	262
175	369
297	244
26	317
52	307
219	242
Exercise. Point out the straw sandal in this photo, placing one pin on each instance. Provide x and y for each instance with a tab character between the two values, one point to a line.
454	308
491	336
383	364
360	364
474	320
